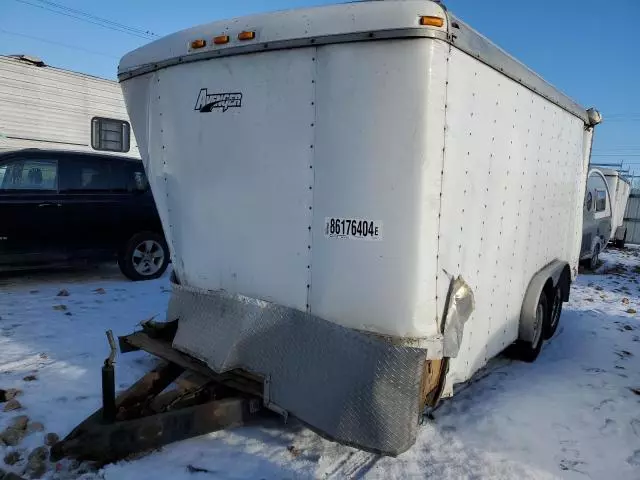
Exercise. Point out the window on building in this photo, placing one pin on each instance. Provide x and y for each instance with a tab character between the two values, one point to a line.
29	174
110	135
601	200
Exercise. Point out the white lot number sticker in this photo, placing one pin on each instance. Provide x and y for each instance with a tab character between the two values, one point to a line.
356	228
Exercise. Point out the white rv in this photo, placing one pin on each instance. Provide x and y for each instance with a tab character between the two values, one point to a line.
50	108
364	203
619	189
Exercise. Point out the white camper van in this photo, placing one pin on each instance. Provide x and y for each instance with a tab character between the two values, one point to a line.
364	203
50	108
619	190
597	218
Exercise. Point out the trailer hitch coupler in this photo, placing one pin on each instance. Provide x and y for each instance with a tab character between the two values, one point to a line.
109	383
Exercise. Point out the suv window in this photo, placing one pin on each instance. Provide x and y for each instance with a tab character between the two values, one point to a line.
129	177
85	175
29	174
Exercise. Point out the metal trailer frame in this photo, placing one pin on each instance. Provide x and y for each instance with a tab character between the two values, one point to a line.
143	418
146	416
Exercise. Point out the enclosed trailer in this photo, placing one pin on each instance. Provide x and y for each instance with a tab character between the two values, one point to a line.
50	108
364	203
597	218
619	189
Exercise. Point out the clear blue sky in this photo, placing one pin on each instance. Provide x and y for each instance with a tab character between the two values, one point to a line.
587	48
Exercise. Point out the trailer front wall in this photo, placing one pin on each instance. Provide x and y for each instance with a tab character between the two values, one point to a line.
514	171
329	132
234	181
350	131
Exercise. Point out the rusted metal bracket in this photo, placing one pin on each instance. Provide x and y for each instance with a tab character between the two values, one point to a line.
96	441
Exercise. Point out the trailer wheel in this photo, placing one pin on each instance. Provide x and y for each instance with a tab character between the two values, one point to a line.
529	351
145	256
554	313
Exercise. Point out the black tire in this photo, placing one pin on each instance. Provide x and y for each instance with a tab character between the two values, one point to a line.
529	351
555	311
145	256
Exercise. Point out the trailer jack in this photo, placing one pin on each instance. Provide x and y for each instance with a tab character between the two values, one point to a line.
109	383
146	417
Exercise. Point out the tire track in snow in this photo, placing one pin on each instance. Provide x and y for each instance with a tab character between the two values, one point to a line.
353	465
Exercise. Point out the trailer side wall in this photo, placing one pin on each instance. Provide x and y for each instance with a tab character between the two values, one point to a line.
513	184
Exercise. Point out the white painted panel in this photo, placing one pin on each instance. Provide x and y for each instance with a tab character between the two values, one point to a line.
513	183
237	183
373	162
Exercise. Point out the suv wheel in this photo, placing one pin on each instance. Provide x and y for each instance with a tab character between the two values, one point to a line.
144	257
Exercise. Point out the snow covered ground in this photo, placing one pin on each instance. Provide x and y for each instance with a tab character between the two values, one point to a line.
572	414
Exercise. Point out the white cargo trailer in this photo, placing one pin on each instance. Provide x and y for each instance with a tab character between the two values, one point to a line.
50	108
364	204
619	190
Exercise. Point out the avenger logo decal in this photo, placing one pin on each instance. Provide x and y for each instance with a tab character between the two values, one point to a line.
224	101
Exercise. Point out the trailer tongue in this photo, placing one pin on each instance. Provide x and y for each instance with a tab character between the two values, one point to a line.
144	418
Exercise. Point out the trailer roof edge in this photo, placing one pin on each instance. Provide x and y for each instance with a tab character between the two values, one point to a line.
405	25
465	38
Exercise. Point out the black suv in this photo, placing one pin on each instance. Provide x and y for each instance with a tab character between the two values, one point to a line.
59	207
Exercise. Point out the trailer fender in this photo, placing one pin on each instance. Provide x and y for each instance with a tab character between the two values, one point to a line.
551	273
